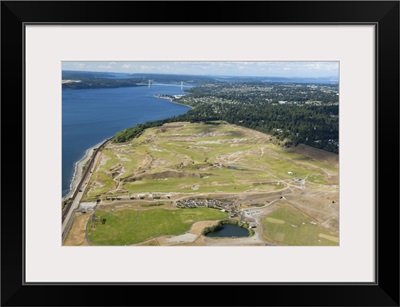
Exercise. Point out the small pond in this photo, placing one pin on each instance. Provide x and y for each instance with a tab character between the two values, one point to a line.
229	231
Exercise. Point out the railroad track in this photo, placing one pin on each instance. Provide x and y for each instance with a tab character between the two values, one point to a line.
68	206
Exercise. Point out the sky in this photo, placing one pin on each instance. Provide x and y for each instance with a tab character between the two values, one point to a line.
263	69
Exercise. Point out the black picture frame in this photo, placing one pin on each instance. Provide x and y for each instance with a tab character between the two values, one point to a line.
383	14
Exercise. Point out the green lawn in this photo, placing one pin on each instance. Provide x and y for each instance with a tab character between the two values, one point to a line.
288	225
126	227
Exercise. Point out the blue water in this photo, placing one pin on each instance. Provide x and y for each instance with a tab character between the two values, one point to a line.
92	115
229	231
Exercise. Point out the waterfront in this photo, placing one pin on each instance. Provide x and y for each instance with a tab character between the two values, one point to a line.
89	116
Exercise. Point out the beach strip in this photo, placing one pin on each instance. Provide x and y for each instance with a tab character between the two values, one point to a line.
171	99
77	177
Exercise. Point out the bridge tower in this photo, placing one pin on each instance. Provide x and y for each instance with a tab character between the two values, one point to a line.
181	85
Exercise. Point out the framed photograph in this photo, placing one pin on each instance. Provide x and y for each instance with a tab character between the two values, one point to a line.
247	147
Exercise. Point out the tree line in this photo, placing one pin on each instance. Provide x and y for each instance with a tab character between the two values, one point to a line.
314	124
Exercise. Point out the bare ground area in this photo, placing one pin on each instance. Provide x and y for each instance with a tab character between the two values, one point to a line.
321	207
317	154
77	234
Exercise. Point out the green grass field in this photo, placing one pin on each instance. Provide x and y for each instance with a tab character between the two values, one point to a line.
289	226
125	227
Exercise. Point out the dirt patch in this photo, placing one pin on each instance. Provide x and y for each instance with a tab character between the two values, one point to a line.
332	224
151	242
103	159
187	237
77	234
317	154
174	125
198	227
123	158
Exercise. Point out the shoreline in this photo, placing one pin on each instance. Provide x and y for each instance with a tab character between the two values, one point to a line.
172	100
78	172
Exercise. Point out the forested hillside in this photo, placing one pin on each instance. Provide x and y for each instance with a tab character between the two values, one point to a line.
293	113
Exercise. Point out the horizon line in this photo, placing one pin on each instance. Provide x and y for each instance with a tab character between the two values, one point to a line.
202	75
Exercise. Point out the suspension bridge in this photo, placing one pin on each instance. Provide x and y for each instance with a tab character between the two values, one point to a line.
151	83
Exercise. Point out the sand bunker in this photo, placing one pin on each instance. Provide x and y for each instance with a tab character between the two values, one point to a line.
187	237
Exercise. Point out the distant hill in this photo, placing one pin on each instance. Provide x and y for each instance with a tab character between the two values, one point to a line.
86	76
